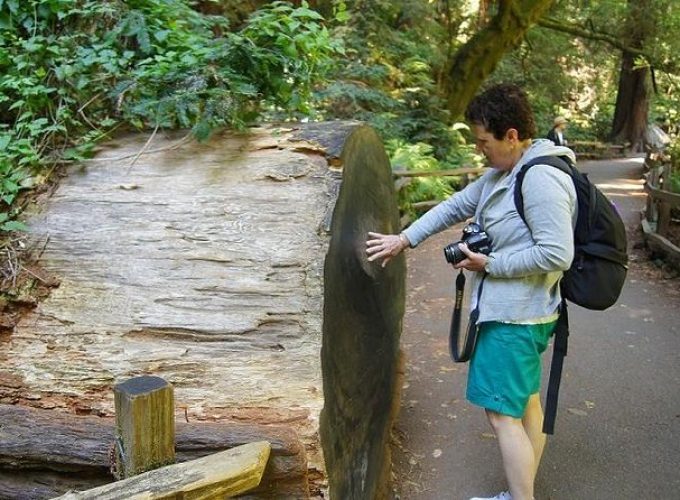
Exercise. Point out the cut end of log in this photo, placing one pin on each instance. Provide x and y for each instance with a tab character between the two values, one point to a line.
141	385
363	309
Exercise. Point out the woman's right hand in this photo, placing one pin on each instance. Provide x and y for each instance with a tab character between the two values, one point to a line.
385	246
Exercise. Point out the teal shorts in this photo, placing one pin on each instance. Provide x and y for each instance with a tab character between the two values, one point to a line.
505	368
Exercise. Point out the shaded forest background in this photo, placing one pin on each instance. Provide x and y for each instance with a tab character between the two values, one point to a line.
77	72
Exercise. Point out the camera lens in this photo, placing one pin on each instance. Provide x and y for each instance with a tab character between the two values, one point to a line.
453	253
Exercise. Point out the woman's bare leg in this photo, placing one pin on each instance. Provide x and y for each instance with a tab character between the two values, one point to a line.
517	452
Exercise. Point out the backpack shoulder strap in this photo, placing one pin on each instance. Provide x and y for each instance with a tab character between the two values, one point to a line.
562	163
560	344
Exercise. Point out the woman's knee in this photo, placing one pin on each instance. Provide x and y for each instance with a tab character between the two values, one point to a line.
499	421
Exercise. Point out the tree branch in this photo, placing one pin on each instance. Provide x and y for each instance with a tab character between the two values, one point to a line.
580	32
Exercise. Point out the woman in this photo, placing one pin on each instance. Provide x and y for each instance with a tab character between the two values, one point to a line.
520	297
556	134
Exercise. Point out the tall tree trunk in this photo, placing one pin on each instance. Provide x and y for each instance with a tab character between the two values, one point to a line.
477	59
632	100
632	104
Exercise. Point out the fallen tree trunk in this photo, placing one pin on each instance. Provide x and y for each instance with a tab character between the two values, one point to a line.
208	265
45	453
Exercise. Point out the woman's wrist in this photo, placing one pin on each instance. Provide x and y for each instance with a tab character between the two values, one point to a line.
405	243
487	265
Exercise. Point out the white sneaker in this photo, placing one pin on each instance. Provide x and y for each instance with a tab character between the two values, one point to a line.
503	495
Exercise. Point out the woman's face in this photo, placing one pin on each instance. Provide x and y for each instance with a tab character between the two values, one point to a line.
500	153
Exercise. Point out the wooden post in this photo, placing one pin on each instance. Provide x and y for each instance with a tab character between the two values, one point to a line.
145	425
652	181
664	206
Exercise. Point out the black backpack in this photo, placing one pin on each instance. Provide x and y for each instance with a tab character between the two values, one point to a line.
597	274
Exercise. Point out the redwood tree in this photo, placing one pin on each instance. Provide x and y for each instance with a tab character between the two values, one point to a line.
632	100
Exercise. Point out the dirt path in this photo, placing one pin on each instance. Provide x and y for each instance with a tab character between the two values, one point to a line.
618	426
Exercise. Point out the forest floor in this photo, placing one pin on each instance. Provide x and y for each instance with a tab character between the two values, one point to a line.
618	422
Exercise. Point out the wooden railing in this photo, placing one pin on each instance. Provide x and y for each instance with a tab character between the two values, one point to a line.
593	150
403	178
657	223
583	150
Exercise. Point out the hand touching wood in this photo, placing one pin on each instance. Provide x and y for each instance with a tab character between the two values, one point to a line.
385	246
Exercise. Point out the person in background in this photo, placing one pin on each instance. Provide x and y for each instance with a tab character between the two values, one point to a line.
520	297
556	133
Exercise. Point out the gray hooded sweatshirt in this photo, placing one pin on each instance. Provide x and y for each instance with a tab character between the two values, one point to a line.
527	260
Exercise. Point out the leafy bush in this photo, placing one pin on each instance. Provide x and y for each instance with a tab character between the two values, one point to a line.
393	58
673	152
419	157
71	71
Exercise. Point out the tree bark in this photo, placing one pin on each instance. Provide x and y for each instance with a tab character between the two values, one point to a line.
477	59
632	104
632	100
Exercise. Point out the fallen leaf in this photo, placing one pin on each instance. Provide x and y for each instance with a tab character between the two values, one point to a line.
589	404
448	369
578	412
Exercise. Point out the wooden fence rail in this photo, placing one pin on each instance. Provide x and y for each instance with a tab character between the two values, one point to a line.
583	149
403	178
594	150
657	221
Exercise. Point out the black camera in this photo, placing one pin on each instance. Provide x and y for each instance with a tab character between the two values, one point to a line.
476	240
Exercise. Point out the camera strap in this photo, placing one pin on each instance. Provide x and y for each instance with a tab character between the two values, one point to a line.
472	329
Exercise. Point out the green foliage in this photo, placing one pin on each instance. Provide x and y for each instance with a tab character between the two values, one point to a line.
578	77
389	76
294	47
389	80
673	152
675	181
419	157
12	181
71	71
564	76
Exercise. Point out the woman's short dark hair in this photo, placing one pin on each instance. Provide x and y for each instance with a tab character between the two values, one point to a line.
500	108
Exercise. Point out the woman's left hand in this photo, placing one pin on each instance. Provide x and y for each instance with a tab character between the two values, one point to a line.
474	262
385	246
